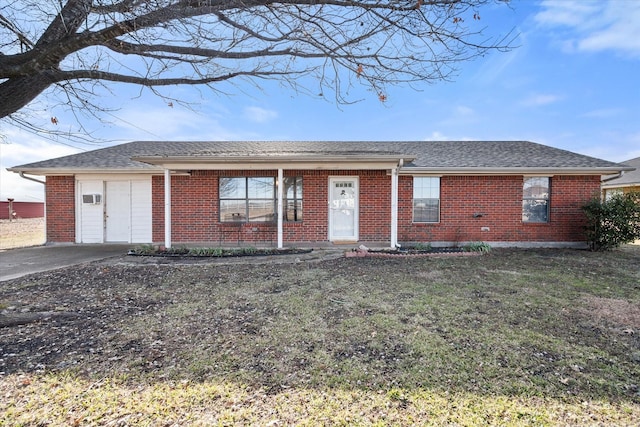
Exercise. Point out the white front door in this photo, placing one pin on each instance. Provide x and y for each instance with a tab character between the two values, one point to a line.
343	208
118	211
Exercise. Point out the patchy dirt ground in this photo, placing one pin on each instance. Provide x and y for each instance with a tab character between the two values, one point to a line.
21	233
551	321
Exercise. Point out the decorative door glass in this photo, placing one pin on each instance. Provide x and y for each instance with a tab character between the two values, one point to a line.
343	209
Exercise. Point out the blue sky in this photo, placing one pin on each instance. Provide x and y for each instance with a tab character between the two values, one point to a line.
573	83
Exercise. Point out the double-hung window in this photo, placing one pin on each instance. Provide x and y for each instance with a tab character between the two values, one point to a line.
535	199
253	199
247	199
426	199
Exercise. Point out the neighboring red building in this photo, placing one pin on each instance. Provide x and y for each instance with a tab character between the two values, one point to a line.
512	193
21	210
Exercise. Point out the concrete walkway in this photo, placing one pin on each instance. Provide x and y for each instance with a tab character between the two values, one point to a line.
19	262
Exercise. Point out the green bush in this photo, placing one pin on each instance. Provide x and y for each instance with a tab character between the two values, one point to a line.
477	247
612	222
422	246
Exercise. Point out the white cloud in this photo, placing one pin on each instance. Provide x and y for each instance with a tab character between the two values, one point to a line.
614	146
437	136
567	13
603	113
25	148
540	99
463	110
623	36
260	115
166	123
595	26
154	121
458	115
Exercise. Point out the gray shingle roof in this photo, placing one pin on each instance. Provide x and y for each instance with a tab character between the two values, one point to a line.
629	178
427	154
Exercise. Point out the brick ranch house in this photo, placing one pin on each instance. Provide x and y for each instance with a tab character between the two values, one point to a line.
509	193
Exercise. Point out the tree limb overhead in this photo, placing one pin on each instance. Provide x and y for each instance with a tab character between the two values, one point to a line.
73	44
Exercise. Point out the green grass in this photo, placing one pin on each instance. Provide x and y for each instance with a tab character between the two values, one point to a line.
539	337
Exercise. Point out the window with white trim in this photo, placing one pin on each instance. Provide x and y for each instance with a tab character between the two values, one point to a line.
253	199
247	199
426	199
535	199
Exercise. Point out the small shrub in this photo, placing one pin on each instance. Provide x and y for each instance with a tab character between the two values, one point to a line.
178	250
422	246
216	252
477	247
612	222
144	250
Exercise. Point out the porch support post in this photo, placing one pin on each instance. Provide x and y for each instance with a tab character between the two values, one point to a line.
394	208
279	210
167	208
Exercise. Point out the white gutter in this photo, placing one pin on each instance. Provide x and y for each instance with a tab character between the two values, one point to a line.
619	175
22	175
471	171
76	171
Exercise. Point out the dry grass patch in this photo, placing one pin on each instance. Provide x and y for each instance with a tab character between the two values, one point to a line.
507	338
66	401
616	311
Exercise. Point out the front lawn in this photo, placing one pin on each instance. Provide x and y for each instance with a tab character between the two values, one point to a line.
513	337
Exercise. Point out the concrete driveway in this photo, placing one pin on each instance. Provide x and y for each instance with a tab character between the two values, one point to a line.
19	262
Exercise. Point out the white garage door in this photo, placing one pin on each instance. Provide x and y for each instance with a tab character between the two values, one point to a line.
124	214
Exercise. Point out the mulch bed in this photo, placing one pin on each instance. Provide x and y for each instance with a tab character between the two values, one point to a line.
217	253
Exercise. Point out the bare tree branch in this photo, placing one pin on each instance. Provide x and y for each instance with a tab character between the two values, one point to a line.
74	44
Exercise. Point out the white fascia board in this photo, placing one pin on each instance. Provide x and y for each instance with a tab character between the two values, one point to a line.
508	171
112	176
94	171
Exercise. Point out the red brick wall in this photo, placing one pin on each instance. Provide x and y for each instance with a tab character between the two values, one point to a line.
375	206
157	208
194	213
499	198
195	209
60	207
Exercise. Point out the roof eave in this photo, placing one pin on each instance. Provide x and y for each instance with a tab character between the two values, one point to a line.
411	170
274	162
76	171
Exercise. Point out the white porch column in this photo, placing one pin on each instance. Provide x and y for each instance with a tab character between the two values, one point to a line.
394	208
167	208
280	213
